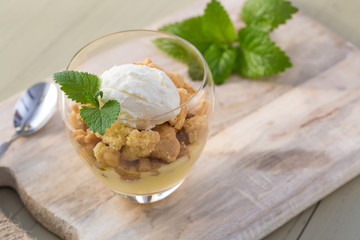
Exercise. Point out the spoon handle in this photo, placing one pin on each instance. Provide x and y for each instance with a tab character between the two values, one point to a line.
5	145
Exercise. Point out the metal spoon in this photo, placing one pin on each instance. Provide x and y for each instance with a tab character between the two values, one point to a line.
32	111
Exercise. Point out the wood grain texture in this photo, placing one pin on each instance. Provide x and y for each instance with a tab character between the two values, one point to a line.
278	146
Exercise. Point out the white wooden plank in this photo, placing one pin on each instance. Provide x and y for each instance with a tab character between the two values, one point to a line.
338	215
292	229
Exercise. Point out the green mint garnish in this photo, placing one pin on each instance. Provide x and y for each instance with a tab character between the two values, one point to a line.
216	23
83	88
99	119
190	29
80	87
221	60
261	59
178	50
267	14
225	51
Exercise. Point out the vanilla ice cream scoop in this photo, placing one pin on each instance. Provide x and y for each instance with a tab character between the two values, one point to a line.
146	95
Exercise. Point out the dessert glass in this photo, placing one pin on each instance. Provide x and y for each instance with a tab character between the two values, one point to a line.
159	178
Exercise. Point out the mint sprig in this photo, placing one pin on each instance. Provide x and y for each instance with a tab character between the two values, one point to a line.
225	51
83	88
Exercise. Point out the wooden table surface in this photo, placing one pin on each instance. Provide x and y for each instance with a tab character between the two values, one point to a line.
39	37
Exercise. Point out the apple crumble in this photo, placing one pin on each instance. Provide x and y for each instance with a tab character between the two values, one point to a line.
163	153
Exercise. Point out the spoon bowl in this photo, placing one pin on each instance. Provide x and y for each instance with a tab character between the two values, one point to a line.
32	111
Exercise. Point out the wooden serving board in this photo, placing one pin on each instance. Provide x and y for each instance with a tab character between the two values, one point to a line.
278	145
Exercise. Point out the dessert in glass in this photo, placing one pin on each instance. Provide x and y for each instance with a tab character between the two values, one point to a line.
165	115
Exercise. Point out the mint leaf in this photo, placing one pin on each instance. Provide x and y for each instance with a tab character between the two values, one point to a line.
196	69
202	31
78	86
174	47
266	14
91	99
178	50
98	120
258	55
191	30
216	24
220	59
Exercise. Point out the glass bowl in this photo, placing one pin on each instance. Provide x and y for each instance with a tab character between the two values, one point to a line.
150	176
